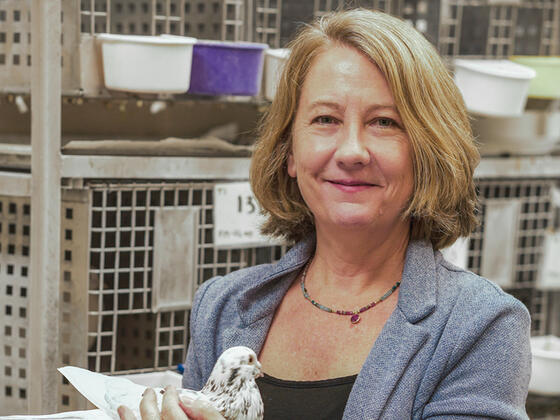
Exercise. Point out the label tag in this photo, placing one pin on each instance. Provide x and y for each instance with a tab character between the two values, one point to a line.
237	217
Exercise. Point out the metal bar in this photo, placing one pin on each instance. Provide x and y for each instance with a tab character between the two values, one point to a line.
167	19
182	17
108	17
519	167
92	17
154	13
45	205
15	184
75	166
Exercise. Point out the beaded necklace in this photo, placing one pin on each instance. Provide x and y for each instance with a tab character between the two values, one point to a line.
355	315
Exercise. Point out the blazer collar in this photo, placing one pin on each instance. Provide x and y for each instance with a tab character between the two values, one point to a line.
402	337
262	297
417	294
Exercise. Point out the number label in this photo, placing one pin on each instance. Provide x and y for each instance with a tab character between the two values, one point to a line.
237	216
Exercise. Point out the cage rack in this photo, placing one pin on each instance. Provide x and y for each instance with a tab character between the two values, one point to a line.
486	29
91	337
108	254
108	321
228	20
458	28
473	28
531	200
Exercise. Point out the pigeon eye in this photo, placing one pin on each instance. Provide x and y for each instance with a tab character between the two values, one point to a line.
250	359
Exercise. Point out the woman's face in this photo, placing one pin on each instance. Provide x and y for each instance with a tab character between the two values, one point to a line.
350	153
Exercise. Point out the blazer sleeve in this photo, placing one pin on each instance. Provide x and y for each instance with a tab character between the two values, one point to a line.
489	367
192	375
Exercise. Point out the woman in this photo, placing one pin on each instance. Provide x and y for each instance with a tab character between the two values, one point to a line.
366	161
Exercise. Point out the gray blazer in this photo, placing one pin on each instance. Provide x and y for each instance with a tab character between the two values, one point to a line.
455	347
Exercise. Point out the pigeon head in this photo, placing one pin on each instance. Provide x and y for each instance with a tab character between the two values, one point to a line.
236	364
231	386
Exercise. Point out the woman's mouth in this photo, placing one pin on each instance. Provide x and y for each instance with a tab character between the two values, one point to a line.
350	185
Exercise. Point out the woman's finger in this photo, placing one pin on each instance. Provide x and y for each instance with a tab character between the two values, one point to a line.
148	405
199	410
125	413
170	409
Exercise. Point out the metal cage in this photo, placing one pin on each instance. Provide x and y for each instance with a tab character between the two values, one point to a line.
108	322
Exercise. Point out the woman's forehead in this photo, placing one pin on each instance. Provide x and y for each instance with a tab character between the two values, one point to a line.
340	74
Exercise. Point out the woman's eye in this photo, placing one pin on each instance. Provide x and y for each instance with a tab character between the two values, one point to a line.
385	122
324	119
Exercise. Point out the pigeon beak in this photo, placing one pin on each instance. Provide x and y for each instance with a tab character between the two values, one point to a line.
258	370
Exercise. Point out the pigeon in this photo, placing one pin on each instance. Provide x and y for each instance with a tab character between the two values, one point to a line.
231	388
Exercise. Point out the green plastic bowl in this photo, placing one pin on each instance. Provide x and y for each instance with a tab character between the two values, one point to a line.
546	85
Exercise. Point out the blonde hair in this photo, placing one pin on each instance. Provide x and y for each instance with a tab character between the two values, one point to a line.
443	203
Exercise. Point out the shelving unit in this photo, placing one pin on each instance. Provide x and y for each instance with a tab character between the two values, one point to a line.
97	213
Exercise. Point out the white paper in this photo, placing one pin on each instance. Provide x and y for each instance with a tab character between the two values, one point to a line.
69	415
106	392
110	392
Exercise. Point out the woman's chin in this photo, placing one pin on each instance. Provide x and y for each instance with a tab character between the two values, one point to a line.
353	221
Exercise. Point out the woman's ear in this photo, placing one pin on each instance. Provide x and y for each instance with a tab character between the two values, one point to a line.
291	164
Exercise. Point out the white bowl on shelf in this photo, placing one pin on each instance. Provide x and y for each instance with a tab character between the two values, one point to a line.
545	374
532	133
275	59
146	64
493	87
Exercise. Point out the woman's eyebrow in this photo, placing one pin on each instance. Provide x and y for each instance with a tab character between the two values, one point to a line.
328	104
339	107
378	107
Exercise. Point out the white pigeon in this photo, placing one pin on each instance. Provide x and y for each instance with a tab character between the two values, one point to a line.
231	387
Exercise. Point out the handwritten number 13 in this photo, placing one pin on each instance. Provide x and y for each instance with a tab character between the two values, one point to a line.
248	204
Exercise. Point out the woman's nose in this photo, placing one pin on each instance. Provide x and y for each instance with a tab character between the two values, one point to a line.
351	150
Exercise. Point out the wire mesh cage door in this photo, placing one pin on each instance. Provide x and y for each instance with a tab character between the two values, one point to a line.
126	332
515	213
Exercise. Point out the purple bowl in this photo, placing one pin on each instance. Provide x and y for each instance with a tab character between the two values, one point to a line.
226	68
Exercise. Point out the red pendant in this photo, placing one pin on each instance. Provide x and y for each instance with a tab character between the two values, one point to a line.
355	318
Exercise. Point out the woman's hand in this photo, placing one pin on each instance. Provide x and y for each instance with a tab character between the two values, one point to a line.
172	408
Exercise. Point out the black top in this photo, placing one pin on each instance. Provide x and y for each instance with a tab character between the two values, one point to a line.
292	400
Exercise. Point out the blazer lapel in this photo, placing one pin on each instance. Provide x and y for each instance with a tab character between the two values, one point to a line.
386	363
257	304
251	336
400	339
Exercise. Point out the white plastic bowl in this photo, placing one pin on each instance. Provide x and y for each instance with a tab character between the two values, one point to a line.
156	379
149	64
533	133
493	87
545	375
274	63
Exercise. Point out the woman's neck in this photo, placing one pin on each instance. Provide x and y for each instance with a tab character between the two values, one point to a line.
364	257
